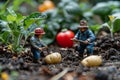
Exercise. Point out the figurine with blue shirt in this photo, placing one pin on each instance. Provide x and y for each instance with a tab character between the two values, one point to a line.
86	39
37	45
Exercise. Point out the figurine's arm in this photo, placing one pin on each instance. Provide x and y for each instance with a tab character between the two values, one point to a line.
77	35
91	36
44	46
34	45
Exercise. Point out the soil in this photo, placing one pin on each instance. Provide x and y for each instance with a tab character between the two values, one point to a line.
22	67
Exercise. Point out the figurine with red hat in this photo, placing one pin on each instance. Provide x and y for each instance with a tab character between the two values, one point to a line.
86	38
37	46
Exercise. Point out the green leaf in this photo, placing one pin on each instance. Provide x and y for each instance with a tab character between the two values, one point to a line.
5	37
101	9
73	8
3	24
74	26
33	18
16	33
116	14
28	22
48	40
11	18
116	25
37	15
11	11
16	4
20	18
95	28
115	11
114	4
3	7
85	6
12	15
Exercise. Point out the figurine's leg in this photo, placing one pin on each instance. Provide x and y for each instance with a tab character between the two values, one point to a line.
90	49
36	55
81	49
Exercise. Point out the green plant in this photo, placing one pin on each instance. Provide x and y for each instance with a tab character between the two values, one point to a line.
95	28
113	25
17	28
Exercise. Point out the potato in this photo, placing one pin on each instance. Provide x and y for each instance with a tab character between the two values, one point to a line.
53	58
92	61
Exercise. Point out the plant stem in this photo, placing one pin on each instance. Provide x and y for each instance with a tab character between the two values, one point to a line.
111	30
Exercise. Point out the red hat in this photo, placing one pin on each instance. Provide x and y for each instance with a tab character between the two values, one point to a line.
39	31
83	24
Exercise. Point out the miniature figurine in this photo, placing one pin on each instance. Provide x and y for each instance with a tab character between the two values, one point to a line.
86	38
37	46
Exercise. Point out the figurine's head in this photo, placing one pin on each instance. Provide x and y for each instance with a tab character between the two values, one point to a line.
39	32
83	25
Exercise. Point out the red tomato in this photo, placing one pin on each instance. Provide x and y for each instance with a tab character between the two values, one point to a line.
64	38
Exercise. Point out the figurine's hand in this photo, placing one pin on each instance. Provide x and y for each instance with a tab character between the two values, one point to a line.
75	45
86	42
46	47
43	48
74	39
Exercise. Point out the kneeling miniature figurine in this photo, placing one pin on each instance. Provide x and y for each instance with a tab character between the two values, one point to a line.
86	38
37	46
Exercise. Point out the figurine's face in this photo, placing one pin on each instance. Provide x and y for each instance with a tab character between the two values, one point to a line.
40	36
83	29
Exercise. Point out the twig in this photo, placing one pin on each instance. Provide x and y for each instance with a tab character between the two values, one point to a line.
58	76
114	63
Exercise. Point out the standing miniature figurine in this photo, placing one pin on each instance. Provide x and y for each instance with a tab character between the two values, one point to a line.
86	38
37	46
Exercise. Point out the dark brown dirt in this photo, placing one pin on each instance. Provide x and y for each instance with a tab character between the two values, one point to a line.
25	69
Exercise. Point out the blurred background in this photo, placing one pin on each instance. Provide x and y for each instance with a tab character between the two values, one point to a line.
61	14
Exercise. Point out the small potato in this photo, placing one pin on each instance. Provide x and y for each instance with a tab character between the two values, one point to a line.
92	61
53	58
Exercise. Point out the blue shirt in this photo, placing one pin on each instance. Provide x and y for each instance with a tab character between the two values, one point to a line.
36	43
86	35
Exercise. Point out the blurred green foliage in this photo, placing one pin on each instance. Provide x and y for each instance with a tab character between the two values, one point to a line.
116	25
66	14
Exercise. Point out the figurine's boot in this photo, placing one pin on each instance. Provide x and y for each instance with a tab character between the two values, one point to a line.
80	56
88	54
36	61
89	50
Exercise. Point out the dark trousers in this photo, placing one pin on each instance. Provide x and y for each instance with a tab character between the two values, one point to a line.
36	53
82	47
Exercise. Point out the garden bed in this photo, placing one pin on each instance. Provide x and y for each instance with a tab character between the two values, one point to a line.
22	67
